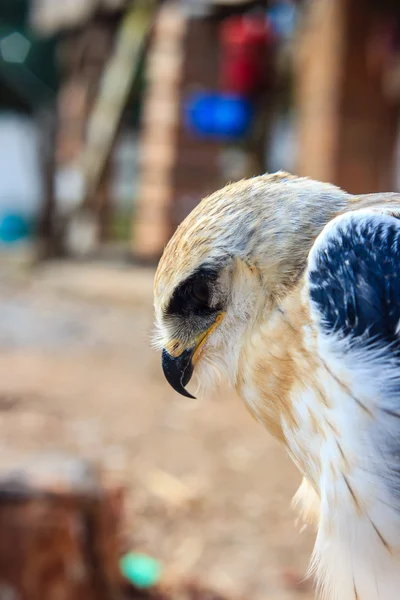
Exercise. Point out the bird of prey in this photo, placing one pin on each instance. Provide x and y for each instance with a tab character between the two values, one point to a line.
289	289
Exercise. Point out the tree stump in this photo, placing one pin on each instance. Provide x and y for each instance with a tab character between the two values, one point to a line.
59	533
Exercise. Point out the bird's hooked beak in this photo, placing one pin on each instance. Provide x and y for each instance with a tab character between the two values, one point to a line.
178	361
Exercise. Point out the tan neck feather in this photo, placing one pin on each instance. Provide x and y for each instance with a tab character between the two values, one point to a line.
272	359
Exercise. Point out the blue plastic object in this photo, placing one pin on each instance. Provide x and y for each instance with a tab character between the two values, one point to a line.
219	116
13	228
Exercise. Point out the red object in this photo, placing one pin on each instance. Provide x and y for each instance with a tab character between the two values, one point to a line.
247	43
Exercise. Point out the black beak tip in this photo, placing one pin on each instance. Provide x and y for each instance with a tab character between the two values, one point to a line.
178	370
185	393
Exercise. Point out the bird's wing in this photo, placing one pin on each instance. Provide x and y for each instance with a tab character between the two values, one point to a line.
353	291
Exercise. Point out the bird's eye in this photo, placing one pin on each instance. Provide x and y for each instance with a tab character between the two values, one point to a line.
200	292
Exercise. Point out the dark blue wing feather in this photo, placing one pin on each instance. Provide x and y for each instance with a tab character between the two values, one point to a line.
355	280
354	288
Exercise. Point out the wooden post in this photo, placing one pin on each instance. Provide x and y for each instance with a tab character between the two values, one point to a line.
196	172
46	226
84	53
177	169
346	125
159	130
318	80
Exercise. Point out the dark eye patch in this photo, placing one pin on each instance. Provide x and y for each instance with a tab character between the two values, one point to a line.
193	296
200	291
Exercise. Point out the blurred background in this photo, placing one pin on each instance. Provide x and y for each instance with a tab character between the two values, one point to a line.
116	118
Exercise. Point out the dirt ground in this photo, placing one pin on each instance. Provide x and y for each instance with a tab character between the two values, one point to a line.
209	490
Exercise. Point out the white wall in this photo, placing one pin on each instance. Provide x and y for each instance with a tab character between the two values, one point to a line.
20	179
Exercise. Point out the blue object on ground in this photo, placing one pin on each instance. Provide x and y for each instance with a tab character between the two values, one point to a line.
141	570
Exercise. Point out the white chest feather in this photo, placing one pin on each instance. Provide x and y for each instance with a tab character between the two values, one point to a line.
357	551
338	447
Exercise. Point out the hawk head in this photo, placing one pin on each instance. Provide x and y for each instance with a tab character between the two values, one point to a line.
238	253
